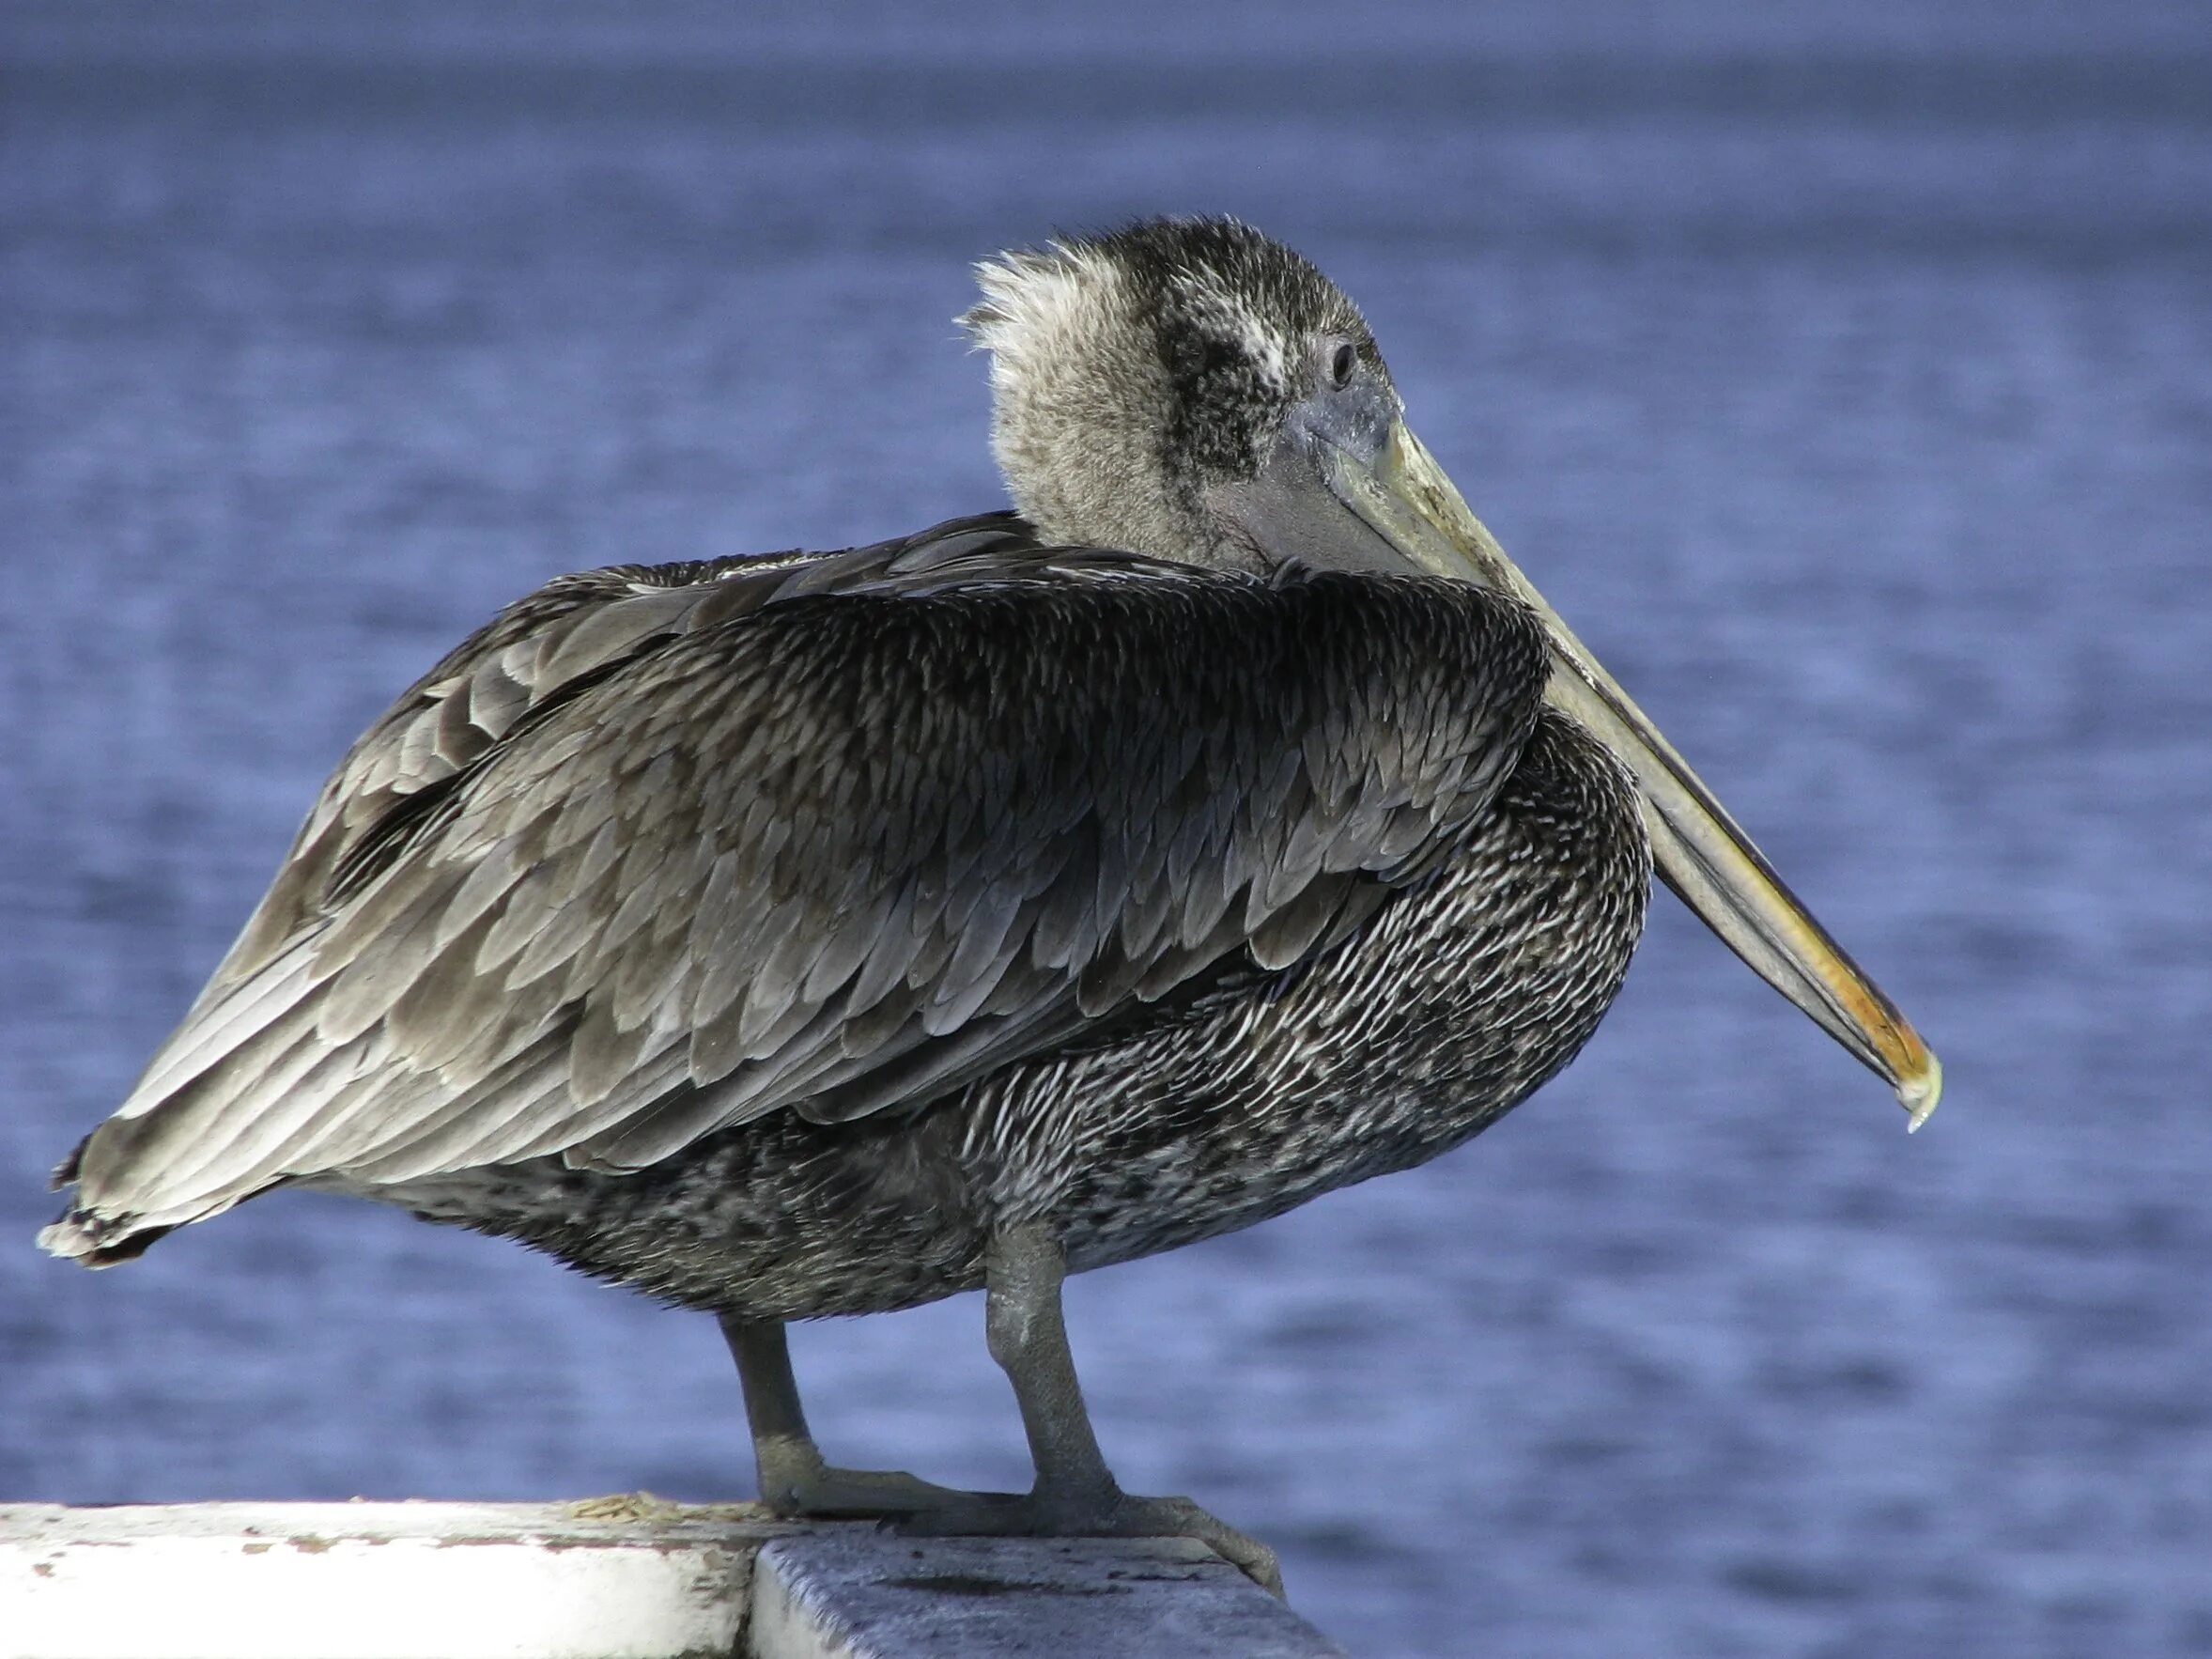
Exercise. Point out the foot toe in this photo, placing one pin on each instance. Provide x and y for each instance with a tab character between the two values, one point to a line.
1179	1517
854	1494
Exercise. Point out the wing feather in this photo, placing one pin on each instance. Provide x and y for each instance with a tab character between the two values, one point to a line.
659	851
222	1025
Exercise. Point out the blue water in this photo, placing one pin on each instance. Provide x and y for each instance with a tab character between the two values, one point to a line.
1845	373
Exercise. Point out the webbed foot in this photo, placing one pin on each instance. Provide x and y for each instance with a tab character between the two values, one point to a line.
795	1481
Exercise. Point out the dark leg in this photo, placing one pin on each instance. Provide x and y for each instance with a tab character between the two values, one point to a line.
793	1479
1076	1494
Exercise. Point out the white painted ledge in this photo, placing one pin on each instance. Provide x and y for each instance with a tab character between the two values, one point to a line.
629	1578
374	1581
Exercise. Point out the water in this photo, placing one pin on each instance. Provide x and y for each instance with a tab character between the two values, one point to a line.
1842	374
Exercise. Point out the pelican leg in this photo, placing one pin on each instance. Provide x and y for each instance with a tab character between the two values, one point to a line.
1076	1494
793	1479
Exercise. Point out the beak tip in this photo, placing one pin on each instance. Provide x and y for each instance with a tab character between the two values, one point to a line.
1920	1093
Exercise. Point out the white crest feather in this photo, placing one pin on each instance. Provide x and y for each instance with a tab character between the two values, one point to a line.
1078	389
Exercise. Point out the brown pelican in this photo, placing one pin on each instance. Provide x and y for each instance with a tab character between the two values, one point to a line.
826	933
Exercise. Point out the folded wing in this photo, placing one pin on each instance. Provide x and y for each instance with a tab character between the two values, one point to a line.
660	851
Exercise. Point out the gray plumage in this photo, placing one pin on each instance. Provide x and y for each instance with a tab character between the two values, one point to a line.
660	852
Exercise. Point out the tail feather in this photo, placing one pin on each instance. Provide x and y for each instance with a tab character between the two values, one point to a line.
78	1235
99	1235
99	1242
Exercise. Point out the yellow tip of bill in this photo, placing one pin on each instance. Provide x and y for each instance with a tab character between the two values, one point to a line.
1919	1095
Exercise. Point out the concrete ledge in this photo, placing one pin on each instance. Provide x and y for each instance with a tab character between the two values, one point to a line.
612	1578
874	1595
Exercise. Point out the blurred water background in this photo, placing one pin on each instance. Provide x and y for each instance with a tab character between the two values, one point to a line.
1845	373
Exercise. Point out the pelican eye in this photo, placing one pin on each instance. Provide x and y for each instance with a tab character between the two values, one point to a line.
1343	361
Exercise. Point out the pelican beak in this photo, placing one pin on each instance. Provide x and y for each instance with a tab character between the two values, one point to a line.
1404	497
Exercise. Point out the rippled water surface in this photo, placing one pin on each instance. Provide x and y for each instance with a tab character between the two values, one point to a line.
1843	374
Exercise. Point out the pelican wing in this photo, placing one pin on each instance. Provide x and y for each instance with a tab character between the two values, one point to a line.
660	851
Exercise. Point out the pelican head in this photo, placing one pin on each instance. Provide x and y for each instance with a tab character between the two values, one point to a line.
1189	389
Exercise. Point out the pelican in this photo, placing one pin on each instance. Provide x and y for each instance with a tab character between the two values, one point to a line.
826	933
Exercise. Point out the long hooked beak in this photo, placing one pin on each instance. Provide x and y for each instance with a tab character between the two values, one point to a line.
1406	498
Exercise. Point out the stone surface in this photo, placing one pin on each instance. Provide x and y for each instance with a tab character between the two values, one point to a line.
866	1594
